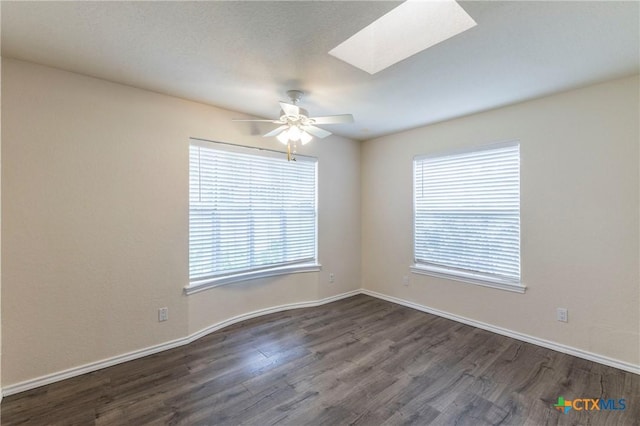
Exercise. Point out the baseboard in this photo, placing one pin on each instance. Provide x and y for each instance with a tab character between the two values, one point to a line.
88	368
98	365
267	311
611	362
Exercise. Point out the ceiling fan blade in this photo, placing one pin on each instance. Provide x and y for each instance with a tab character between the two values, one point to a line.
333	119
316	131
263	121
290	109
274	132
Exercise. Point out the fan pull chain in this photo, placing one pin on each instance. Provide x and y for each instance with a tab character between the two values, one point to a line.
291	156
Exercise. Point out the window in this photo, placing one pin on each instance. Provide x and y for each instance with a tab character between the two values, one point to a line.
467	216
252	213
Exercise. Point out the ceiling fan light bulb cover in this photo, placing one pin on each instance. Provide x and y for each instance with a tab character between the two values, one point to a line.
294	133
283	137
305	138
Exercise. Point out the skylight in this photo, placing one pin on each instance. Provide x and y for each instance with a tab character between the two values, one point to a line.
410	28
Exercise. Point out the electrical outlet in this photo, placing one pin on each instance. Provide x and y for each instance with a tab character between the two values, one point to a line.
163	314
332	277
405	281
562	314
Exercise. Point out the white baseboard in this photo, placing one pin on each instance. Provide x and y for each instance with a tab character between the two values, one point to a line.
258	313
88	368
98	365
622	365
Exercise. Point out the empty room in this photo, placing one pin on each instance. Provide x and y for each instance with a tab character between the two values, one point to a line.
320	213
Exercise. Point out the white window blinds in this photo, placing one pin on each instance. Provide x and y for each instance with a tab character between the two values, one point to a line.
467	213
248	210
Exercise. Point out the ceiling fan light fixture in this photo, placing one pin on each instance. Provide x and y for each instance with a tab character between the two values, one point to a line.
305	138
283	137
294	133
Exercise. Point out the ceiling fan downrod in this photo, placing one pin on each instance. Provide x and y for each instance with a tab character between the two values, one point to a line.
295	96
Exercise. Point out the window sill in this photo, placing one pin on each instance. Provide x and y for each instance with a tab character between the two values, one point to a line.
468	277
198	286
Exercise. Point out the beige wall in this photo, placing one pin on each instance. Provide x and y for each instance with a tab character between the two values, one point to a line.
579	213
95	221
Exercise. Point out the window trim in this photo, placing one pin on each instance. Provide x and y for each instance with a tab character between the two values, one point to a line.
310	265
465	276
198	286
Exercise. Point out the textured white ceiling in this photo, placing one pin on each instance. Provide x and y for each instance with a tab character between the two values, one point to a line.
244	55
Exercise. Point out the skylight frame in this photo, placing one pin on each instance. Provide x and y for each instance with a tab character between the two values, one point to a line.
400	34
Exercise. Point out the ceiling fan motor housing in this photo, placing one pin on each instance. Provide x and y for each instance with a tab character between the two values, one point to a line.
303	115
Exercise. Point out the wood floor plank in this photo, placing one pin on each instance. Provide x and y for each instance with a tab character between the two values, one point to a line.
358	361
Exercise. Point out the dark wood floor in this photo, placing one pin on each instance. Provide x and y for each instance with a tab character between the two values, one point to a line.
356	361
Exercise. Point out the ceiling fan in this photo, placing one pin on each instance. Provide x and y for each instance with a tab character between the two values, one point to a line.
296	125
